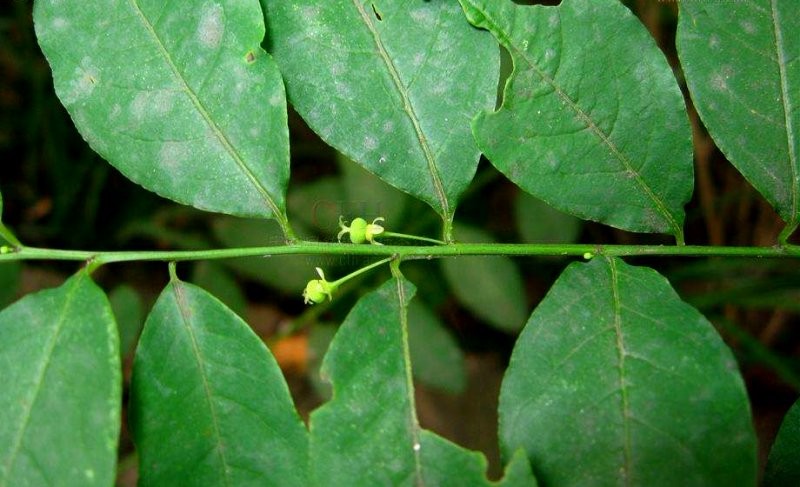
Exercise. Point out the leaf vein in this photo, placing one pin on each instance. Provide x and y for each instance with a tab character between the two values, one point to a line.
201	109
408	108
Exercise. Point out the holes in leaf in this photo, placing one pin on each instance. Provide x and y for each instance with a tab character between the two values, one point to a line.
250	57
377	14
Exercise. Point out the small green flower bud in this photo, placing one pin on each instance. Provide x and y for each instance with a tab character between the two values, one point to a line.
318	289
360	231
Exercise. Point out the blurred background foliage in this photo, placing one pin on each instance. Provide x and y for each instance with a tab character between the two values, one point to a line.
58	193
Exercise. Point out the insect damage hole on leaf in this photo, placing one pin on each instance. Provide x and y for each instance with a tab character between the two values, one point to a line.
377	14
250	57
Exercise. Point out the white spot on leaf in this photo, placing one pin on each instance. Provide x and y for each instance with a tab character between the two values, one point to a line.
86	78
211	27
370	142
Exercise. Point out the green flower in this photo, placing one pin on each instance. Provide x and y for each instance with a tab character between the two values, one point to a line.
360	231
318	289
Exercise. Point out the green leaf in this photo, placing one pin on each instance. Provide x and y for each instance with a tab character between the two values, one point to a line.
490	287
320	336
368	434
615	380
539	222
588	124
740	64
436	358
5	233
178	96
129	312
447	464
218	281
783	465
318	205
391	84
209	405
368	196
61	397
10	273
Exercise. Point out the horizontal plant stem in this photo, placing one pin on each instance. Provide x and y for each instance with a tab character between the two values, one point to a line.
98	258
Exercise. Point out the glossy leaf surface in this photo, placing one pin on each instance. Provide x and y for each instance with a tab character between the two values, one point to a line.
390	83
368	434
783	466
615	380
588	124
61	396
740	64
178	96
209	405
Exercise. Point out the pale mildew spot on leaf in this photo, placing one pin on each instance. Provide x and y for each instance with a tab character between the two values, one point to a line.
211	27
60	23
139	105
172	155
86	78
370	142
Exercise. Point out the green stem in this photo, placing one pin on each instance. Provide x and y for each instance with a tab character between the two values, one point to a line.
9	237
412	237
405	252
339	282
786	233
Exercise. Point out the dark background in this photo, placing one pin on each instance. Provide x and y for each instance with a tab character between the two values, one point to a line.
57	193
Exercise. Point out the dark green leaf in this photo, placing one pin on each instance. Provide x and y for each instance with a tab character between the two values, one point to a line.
129	312
783	466
390	83
368	434
368	196
588	124
217	280
615	380
209	405
6	234
319	339
436	358
447	464
740	63
318	205
490	287
178	96
61	397
538	222
9	281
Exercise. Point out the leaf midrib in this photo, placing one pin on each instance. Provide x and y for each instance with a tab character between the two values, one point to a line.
408	108
201	109
183	307
39	378
505	38
787	110
415	428
621	356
